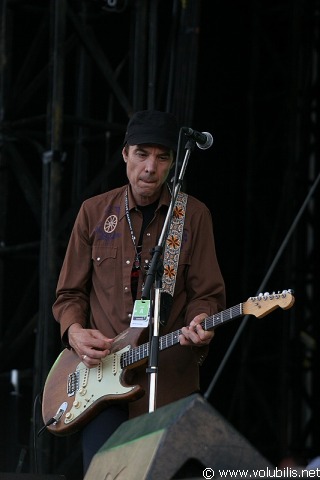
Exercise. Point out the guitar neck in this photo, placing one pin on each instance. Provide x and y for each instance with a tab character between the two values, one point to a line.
141	352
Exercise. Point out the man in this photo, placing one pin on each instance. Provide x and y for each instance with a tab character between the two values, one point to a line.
105	268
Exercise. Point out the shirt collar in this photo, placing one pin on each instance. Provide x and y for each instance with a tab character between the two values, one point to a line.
165	198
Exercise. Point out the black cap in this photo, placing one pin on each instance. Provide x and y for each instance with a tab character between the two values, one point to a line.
154	127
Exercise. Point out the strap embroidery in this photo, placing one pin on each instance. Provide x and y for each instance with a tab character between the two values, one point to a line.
173	245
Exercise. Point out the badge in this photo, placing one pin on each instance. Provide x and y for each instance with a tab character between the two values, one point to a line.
141	314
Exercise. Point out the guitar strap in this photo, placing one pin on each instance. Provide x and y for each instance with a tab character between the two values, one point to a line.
173	245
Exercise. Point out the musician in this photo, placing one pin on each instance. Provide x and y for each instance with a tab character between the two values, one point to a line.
105	266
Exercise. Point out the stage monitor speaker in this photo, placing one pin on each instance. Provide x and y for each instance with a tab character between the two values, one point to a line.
179	440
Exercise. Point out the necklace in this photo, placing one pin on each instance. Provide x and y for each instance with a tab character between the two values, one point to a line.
136	264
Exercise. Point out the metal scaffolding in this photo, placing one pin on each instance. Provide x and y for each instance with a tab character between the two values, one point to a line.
72	72
69	83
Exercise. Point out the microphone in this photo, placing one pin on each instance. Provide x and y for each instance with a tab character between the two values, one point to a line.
203	140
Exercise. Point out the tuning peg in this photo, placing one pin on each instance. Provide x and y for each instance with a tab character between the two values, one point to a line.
285	292
288	291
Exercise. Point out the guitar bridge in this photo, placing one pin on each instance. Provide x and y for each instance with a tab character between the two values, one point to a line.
73	383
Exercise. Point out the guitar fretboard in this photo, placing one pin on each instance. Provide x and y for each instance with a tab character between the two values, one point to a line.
141	352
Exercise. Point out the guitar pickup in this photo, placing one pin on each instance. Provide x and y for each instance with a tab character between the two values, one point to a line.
73	383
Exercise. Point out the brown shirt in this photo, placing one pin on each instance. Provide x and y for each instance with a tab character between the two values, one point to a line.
94	287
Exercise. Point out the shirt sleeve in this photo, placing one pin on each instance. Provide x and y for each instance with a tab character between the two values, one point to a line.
73	288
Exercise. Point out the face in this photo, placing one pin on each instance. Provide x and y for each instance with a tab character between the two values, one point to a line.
148	167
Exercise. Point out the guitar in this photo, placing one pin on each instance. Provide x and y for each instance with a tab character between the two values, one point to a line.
73	394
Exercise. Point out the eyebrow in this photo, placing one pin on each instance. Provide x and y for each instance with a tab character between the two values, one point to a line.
164	151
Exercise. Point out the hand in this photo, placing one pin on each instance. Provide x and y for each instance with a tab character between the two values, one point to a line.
194	335
90	345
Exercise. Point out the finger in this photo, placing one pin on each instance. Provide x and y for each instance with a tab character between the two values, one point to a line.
189	336
90	361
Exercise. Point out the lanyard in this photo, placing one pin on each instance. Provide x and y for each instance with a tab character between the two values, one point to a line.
136	264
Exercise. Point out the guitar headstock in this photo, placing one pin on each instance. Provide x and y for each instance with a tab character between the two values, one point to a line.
265	303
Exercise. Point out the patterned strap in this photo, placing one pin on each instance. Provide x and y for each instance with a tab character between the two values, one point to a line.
173	245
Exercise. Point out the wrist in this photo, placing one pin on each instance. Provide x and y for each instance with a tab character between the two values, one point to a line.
74	327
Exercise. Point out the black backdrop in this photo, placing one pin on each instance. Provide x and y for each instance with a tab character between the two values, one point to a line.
245	72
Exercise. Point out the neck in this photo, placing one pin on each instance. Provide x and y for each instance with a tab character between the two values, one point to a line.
143	200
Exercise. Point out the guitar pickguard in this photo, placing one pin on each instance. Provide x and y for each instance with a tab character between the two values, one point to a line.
94	383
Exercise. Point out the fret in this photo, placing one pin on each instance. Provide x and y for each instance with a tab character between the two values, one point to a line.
139	353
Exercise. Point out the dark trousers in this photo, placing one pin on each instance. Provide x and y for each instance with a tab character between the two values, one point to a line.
97	432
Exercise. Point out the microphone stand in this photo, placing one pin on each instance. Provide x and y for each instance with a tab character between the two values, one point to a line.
155	271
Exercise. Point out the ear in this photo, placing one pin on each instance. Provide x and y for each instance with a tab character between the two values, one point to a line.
124	155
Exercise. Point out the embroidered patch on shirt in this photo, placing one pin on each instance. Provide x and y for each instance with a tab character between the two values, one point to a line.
110	223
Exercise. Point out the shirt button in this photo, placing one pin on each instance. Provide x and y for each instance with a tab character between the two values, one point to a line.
129	315
127	262
148	234
98	259
126	288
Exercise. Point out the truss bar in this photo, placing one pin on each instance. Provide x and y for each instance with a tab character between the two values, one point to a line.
26	181
152	54
19	95
303	432
139	43
51	193
95	50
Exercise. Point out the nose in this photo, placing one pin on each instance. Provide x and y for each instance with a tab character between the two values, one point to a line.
151	164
